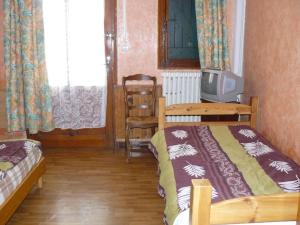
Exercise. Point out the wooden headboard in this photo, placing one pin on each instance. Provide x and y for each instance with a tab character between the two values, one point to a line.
198	109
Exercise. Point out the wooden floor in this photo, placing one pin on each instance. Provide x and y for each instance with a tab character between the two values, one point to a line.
87	187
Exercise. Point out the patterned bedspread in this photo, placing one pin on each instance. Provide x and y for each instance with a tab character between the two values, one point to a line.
17	158
237	160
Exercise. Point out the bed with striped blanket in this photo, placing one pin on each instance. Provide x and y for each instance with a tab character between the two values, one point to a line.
237	160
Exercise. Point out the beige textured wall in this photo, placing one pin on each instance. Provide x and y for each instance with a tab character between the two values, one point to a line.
142	34
141	57
272	69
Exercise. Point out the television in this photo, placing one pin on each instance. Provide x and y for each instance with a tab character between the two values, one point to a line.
220	86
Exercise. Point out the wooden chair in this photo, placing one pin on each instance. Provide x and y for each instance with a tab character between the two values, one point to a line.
139	108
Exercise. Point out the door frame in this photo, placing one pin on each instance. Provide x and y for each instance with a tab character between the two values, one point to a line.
110	25
91	137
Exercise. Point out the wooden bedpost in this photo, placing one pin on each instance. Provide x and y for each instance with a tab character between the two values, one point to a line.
254	111
298	212
161	113
200	202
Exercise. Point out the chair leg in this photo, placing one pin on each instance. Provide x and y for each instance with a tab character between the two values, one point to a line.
153	131
128	156
129	153
128	145
126	140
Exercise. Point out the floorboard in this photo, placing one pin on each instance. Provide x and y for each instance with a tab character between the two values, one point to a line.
88	186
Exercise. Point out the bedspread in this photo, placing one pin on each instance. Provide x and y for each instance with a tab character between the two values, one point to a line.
17	158
237	160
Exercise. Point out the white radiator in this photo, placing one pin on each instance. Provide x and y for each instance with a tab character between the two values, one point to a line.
182	87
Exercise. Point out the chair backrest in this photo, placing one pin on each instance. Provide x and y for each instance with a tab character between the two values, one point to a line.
149	94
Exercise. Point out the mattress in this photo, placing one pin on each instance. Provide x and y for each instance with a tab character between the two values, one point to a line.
17	158
237	160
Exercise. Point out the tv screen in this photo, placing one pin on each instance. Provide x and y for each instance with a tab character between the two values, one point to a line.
229	85
209	83
220	86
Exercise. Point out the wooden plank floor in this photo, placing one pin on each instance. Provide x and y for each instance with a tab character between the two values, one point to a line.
87	187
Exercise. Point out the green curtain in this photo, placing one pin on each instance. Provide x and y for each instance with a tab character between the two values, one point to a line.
28	96
212	34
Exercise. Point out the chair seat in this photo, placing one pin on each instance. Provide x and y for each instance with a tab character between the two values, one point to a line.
141	121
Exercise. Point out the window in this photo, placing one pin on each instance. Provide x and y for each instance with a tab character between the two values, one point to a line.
74	43
75	59
178	47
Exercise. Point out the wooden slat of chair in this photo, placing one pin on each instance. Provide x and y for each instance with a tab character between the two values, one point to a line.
140	106
139	93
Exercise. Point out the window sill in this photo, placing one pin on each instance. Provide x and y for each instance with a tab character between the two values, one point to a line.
179	64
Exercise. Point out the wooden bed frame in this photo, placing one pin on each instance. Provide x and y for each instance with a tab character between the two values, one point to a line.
34	177
265	208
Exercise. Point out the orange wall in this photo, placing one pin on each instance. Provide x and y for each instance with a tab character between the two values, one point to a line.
142	34
272	69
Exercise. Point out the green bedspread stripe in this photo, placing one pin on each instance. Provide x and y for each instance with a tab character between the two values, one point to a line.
167	178
259	182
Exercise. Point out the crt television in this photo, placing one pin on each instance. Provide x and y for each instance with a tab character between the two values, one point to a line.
220	86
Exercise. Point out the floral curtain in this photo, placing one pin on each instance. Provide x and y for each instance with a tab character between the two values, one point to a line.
28	97
212	34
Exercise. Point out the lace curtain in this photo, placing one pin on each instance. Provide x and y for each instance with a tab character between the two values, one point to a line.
75	58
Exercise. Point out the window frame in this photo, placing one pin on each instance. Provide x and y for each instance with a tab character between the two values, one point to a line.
163	61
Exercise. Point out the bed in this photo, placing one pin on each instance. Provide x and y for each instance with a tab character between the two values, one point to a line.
21	167
264	189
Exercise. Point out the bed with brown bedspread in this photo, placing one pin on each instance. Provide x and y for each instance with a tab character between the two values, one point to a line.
237	160
222	172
